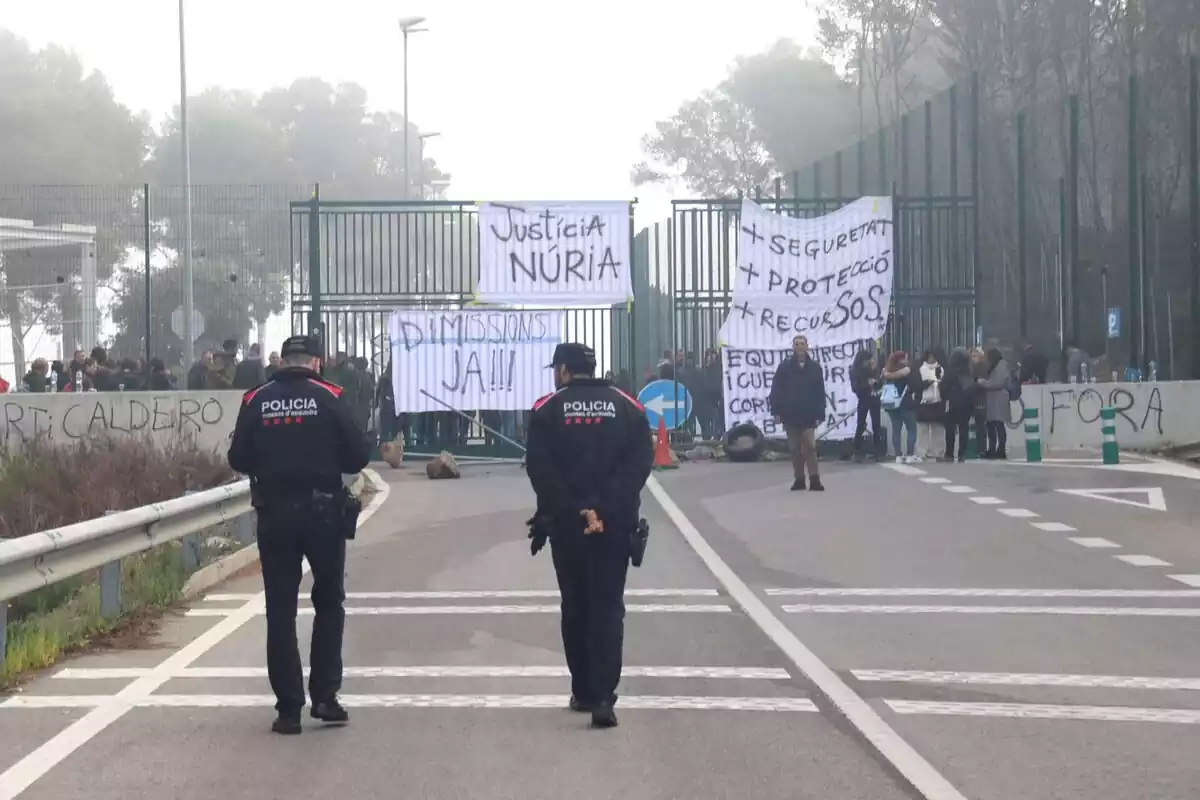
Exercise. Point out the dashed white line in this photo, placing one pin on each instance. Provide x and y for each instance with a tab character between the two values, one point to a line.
1093	541
904	469
1043	711
959	489
731	673
382	611
984	500
910	764
1189	580
1078	611
934	481
219	597
1025	679
1053	527
1138	560
511	701
1018	513
885	592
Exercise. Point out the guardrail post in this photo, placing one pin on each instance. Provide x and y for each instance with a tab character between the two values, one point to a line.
3	630
1108	429
110	586
189	549
1033	437
245	526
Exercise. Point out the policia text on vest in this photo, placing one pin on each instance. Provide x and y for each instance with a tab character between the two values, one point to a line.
589	453
295	437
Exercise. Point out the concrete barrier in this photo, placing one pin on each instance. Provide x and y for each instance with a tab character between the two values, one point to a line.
207	418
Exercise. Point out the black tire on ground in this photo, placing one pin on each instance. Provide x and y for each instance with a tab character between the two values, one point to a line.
744	443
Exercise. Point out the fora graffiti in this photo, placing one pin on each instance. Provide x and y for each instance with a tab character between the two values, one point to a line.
1138	410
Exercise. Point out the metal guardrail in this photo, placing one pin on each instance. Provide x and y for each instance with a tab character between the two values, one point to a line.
42	559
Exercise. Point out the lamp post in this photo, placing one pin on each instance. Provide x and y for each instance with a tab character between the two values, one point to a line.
407	25
421	161
189	300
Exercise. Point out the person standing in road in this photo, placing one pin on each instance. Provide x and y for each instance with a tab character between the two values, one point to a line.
295	437
588	455
798	401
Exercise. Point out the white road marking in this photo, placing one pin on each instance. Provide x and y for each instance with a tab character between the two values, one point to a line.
1018	513
984	500
1143	561
732	673
521	701
1075	611
1053	527
220	597
383	611
1093	541
878	592
1189	580
1154	496
922	775
1025	679
959	489
21	775
904	469
1183	716
936	481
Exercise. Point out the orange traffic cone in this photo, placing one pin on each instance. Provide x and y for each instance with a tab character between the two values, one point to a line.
662	448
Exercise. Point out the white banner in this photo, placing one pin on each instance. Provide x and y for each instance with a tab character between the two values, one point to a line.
554	254
749	374
828	278
472	360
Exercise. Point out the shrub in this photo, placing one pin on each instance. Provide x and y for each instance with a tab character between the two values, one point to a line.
43	487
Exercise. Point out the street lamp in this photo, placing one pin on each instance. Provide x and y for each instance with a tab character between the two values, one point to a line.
189	299
407	25
421	160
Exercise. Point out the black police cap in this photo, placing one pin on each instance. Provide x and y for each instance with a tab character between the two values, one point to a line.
300	346
573	355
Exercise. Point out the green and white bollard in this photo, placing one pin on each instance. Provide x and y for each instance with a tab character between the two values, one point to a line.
1033	437
972	441
1108	428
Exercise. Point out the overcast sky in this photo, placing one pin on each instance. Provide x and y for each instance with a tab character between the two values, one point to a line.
535	99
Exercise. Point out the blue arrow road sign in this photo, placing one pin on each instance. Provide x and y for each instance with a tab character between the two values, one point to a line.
668	400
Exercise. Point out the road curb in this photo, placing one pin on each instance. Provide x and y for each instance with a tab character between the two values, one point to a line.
225	567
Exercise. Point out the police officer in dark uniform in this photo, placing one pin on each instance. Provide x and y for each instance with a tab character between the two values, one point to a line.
295	436
589	453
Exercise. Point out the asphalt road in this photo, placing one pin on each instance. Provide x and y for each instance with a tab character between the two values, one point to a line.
940	631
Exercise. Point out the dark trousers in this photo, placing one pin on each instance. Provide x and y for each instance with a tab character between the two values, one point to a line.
287	534
591	573
958	428
860	427
997	439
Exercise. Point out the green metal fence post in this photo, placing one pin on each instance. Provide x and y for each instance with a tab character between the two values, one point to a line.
1073	213
314	264
146	246
1132	225
1108	431
632	305
1194	205
1022	231
976	196
1033	436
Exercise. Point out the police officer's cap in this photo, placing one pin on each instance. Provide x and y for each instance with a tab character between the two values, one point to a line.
574	355
300	346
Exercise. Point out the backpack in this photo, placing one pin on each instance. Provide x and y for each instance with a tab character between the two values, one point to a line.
1014	386
890	399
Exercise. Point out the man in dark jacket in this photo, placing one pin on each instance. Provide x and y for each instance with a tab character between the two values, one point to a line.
250	372
798	401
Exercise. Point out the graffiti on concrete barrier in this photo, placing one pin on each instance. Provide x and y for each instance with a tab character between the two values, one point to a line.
59	419
1136	411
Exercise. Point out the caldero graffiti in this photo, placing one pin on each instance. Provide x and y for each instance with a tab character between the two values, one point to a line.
70	417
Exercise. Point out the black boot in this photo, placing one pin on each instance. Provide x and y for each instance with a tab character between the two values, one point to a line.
575	704
330	711
798	485
815	485
287	724
604	717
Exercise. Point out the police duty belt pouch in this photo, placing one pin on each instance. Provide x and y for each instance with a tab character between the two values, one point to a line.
348	511
638	541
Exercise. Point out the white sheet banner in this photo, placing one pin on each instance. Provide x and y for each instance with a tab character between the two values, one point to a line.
567	254
472	360
749	374
828	278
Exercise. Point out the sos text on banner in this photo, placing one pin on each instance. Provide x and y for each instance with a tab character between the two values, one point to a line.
472	360
748	375
828	278
567	254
